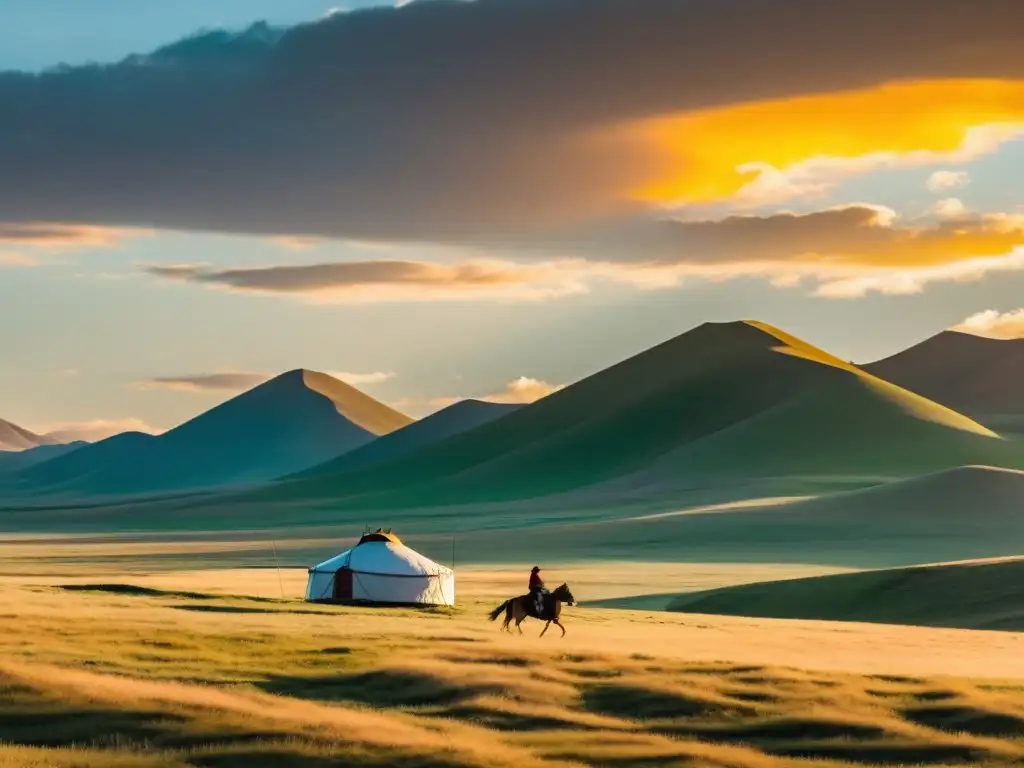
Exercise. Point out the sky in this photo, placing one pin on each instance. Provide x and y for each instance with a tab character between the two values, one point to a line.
485	198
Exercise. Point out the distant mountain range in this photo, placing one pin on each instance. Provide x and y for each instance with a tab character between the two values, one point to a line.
737	400
15	438
11	461
298	419
724	400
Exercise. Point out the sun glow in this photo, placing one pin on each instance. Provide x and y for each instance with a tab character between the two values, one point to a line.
716	154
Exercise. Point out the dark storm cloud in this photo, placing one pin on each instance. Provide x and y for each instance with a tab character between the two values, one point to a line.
443	120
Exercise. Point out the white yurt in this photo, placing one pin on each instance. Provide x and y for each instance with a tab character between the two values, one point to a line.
381	569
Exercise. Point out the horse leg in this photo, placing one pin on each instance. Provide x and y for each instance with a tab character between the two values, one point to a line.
560	627
545	629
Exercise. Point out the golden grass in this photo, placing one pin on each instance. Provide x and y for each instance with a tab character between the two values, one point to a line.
116	676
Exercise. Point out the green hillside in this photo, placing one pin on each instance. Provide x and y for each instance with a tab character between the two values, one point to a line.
730	399
14	461
969	595
975	375
456	418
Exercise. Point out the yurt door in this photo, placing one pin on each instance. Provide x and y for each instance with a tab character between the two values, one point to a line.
343	584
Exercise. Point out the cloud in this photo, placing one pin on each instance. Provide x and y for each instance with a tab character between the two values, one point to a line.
362	379
91	431
805	146
57	235
17	259
847	251
859	235
521	390
949	208
233	381
490	121
901	282
406	405
994	324
940	181
236	381
295	243
389	280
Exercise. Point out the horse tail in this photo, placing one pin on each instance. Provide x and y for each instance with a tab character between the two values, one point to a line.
497	611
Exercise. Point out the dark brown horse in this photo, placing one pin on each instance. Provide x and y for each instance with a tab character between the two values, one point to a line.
519	608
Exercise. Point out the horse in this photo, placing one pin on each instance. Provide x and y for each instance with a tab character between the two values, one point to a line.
519	608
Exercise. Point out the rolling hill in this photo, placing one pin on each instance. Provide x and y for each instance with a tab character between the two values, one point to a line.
974	375
447	422
298	419
725	400
13	461
980	594
15	438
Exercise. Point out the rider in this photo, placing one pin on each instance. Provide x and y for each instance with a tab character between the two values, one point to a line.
537	589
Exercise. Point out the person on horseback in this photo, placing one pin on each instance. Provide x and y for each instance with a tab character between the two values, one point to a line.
537	590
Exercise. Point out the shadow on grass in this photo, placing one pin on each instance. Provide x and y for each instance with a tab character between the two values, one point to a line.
637	703
291	756
133	590
229	609
377	688
764	732
972	720
246	609
144	731
53	727
501	661
499	720
889	754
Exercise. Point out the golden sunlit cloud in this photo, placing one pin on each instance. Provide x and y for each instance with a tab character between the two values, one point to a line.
93	430
60	235
994	324
363	282
516	392
897	282
774	150
846	251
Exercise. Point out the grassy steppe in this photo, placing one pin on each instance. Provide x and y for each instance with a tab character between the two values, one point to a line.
115	675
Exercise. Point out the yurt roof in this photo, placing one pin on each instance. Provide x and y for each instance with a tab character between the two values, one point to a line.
384	556
380	535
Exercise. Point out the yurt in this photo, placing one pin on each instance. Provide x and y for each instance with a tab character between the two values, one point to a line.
381	569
